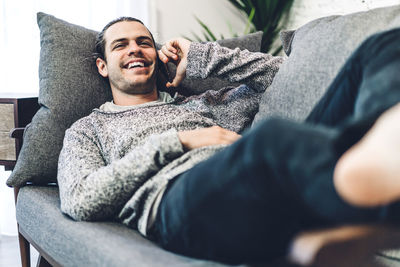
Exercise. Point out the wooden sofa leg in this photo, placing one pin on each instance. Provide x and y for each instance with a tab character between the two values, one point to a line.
24	246
42	262
24	249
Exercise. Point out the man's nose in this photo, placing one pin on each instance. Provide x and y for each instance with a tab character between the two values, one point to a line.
133	48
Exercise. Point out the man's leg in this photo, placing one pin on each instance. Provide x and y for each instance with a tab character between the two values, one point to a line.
368	174
367	85
248	201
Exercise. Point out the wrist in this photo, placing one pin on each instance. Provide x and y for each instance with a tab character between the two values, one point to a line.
183	138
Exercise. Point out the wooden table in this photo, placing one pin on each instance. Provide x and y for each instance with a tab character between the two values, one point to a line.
16	111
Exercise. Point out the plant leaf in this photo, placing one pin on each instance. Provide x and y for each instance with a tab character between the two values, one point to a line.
265	15
249	21
205	27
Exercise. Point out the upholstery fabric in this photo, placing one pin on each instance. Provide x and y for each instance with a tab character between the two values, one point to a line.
251	42
70	87
286	39
317	51
87	243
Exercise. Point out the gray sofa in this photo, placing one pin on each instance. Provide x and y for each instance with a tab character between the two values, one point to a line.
70	88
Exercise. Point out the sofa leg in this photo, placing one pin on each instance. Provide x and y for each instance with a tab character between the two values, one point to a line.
24	249
42	262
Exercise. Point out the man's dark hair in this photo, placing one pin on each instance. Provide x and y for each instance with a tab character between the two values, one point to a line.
101	42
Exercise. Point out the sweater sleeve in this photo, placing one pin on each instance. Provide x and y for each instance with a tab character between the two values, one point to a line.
255	69
92	190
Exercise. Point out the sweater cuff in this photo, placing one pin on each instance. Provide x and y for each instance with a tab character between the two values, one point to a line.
171	139
196	60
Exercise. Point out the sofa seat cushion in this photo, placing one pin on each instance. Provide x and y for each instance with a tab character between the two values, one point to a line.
72	243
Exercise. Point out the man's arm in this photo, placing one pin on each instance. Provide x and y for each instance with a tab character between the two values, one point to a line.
197	60
92	190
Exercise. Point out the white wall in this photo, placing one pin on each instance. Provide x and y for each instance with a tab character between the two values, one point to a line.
173	18
8	224
304	11
19	42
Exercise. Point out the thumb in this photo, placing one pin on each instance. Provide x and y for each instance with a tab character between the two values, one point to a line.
180	74
176	81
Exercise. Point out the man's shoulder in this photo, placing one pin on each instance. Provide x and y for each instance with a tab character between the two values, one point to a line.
85	123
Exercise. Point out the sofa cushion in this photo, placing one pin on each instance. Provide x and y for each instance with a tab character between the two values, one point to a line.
316	51
72	243
70	87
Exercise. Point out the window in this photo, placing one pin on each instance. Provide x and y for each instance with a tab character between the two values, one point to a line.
19	34
20	47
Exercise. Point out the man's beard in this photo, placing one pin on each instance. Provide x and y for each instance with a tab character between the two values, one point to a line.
136	88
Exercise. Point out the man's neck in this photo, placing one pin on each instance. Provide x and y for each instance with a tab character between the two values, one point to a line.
122	99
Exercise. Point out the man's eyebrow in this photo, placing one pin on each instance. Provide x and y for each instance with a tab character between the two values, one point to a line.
145	37
126	39
118	40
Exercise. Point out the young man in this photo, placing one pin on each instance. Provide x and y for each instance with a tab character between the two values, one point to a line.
177	169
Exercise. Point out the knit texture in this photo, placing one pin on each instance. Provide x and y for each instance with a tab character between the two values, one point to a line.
114	164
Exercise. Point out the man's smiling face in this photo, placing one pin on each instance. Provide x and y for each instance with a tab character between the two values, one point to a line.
130	58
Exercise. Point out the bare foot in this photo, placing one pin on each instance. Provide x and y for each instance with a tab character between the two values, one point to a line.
368	174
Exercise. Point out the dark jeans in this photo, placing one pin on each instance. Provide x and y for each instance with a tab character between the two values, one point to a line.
247	202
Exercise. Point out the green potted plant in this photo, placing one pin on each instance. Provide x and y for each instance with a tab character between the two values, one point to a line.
267	16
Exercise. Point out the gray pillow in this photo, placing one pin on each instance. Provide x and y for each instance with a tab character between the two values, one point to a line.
317	51
286	39
70	87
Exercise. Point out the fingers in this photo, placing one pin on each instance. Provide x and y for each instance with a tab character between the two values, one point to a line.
167	54
162	56
207	137
174	49
176	81
171	46
171	84
224	136
230	137
169	51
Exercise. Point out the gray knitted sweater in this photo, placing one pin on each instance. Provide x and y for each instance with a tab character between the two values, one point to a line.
114	164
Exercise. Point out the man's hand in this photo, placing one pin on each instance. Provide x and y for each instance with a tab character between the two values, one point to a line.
206	137
176	51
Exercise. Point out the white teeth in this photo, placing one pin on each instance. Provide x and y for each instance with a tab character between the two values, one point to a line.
135	64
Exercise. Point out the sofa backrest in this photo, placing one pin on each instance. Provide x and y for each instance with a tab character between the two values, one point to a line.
316	52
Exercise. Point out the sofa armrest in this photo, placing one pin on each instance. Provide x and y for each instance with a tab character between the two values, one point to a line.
343	246
17	133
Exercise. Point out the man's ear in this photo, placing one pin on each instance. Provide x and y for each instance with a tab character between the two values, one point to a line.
102	67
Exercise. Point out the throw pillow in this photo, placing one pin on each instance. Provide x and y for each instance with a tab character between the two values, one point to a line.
69	88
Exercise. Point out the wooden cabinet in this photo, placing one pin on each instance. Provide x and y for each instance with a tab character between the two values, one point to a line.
16	111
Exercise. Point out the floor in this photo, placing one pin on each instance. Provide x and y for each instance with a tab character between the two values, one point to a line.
9	252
